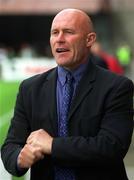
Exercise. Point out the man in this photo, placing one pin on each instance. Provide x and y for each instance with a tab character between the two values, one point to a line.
90	140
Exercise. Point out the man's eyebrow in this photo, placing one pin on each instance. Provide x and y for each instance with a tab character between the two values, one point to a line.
52	30
70	29
64	29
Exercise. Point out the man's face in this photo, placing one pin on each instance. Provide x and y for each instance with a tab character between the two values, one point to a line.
69	40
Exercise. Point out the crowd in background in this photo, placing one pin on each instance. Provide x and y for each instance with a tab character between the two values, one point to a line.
118	62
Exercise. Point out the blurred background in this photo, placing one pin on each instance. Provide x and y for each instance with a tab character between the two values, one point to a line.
25	51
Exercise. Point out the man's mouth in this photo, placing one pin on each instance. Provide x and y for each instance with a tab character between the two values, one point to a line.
61	50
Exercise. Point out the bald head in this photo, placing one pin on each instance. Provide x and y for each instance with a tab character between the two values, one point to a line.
82	19
71	37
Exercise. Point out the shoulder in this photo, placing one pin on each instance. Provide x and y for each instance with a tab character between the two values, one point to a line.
110	79
37	80
99	61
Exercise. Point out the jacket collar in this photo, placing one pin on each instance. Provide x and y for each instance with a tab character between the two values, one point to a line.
84	87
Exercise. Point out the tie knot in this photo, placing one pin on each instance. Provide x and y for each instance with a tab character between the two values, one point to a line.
69	76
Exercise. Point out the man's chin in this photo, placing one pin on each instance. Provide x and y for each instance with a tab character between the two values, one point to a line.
63	62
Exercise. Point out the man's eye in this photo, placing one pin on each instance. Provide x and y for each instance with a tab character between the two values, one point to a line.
70	32
54	32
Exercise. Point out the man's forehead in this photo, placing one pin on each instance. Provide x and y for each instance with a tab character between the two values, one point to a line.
66	21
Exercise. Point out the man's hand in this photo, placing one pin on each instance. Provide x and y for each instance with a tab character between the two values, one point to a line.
38	144
29	155
42	140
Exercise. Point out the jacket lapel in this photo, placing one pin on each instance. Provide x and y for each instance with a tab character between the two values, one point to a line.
84	87
50	91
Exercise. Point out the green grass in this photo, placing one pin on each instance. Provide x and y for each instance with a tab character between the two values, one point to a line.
8	91
16	178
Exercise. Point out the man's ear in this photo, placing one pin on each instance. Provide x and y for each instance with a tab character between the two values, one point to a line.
91	37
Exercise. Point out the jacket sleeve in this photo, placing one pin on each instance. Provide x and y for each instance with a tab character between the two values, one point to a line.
112	141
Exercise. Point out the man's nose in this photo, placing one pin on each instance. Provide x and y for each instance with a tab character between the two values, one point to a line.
60	37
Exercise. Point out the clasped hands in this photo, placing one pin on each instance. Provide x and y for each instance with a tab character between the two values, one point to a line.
37	145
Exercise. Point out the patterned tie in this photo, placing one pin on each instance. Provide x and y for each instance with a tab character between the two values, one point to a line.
67	97
65	173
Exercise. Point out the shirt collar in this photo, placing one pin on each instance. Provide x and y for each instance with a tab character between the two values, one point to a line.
77	73
62	75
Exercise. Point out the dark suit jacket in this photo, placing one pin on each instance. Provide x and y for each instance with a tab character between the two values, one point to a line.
100	125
